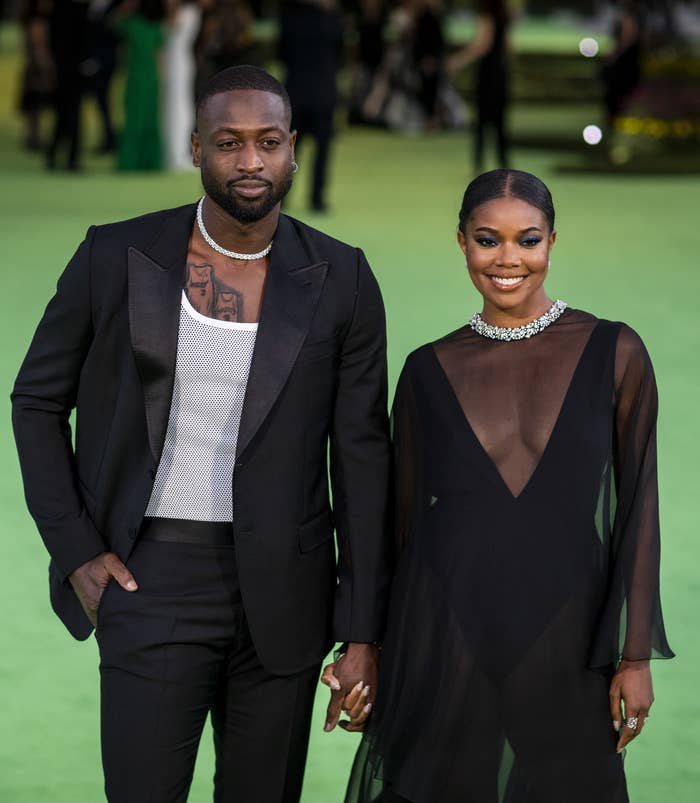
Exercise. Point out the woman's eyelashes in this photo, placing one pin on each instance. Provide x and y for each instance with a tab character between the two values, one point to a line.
490	242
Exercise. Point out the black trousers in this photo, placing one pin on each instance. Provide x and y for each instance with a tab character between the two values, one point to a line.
492	97
98	87
176	650
66	129
318	124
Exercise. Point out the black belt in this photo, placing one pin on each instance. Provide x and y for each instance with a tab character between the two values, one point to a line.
183	531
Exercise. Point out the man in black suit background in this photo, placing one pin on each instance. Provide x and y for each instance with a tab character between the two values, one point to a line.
214	354
311	44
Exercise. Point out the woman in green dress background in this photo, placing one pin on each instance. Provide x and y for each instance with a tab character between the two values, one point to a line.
140	145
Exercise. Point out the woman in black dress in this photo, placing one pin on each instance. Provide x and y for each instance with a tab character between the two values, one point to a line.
525	605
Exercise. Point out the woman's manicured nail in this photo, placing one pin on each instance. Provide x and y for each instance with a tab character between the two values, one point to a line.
367	708
365	691
358	687
616	725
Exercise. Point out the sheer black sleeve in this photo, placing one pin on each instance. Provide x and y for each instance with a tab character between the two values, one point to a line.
404	436
632	626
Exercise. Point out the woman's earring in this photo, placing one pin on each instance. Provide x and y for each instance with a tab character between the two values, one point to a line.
295	167
549	264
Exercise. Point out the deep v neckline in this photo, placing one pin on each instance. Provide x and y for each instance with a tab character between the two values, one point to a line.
491	469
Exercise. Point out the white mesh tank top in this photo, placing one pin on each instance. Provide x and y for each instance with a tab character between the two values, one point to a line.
194	477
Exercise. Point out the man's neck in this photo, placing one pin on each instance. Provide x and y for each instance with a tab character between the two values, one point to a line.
232	234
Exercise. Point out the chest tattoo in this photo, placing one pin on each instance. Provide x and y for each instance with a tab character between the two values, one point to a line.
209	295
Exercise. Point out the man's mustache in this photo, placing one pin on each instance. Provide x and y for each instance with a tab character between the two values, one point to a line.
264	181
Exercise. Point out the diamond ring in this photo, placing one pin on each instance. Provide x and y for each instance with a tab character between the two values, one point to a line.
632	723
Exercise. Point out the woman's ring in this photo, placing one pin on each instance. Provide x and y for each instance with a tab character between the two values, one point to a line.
632	723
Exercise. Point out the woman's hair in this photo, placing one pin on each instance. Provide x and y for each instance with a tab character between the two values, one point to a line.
507	184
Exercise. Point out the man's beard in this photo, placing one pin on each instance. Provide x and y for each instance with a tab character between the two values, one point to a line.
242	209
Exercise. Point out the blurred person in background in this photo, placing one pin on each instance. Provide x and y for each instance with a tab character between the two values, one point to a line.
490	50
428	54
623	71
37	83
140	23
67	35
371	19
411	90
99	67
392	98
310	47
226	38
178	77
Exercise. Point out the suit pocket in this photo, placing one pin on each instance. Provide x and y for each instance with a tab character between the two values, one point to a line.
101	605
315	531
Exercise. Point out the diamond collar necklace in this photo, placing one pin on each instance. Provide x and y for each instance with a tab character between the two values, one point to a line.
517	332
220	249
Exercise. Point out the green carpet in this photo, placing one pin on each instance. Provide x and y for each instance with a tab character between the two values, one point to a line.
627	250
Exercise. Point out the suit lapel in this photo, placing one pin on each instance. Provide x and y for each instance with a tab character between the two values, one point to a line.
156	279
292	291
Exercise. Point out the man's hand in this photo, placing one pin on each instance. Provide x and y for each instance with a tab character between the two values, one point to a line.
631	685
90	580
353	683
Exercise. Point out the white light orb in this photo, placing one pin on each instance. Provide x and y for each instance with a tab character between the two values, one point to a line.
588	47
592	134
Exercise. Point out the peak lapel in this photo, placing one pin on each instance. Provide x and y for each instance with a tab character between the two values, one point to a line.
156	280
292	290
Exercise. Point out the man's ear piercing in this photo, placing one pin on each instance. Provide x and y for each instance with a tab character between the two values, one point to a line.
295	167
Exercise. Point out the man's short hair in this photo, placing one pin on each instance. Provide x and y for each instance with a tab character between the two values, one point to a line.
241	77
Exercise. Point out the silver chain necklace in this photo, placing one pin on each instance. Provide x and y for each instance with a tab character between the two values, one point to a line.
518	332
221	249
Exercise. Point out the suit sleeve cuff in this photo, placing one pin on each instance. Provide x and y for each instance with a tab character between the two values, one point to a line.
71	543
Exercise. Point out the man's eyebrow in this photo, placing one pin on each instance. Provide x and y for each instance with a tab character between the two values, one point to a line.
230	130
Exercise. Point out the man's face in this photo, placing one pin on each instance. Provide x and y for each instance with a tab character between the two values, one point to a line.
245	150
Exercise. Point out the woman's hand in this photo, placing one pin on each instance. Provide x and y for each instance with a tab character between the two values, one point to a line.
352	680
631	687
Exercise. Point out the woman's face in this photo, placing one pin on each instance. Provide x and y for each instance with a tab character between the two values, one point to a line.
507	243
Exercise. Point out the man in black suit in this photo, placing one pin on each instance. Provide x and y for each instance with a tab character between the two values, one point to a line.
311	42
191	524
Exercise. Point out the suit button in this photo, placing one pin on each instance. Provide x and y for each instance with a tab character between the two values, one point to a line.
133	532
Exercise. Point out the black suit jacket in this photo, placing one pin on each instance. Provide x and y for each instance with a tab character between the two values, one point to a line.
107	345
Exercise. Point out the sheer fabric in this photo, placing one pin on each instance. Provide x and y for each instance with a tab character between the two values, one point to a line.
528	539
